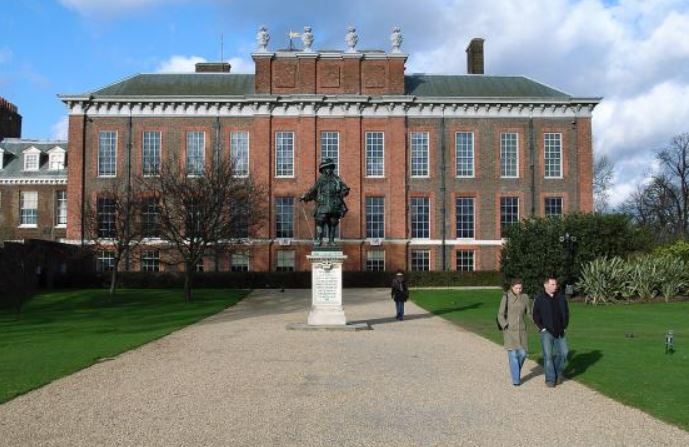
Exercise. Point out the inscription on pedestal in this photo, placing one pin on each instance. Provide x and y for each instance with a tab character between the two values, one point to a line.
326	284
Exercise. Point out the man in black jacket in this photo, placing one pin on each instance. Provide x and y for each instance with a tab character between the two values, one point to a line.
551	316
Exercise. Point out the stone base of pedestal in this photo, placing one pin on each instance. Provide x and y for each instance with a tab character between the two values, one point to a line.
326	315
337	327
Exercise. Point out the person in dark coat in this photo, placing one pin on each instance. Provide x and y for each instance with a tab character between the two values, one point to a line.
551	316
399	293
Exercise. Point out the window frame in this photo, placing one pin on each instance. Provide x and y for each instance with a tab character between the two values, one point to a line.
379	224
28	217
425	156
504	225
61	209
461	252
545	206
281	256
155	148
281	205
240	140
327	144
458	158
548	165
102	161
192	163
150	261
368	148
458	220
416	225
369	267
286	171
414	260
503	159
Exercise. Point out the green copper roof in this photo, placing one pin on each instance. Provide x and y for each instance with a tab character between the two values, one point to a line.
478	86
188	84
223	84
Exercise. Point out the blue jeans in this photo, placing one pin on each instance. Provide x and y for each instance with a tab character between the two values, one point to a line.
516	358
399	306
554	355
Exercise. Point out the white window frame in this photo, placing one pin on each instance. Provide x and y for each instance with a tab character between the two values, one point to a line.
473	260
369	169
32	159
424	156
60	209
411	217
148	143
283	256
545	207
150	261
56	156
28	200
473	155
366	204
328	146
235	259
194	172
278	209
427	256
519	205
101	135
503	158
286	170
369	258
473	217
103	256
240	140
2	158
546	148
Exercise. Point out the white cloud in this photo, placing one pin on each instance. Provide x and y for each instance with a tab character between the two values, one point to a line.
241	65
60	130
180	64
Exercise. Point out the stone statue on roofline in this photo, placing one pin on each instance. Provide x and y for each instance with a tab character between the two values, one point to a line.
351	39
307	40
396	39
262	38
328	192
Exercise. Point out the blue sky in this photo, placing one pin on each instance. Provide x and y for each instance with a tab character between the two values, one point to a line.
634	53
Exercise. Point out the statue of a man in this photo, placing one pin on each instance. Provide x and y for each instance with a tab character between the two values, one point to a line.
329	192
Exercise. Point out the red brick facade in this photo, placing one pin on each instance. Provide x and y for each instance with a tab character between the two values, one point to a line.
354	94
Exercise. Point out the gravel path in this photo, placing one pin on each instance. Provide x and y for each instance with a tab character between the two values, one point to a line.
241	378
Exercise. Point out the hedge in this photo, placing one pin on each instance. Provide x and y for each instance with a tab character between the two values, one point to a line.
278	280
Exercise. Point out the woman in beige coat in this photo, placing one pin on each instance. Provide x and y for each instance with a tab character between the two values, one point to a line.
514	310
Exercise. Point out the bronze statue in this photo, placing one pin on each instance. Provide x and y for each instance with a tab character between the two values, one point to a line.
329	192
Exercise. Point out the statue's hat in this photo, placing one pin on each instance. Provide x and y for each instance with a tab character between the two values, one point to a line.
326	163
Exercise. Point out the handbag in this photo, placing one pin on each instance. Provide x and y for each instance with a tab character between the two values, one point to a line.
497	320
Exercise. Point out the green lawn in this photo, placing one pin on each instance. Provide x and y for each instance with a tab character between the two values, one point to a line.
633	370
62	332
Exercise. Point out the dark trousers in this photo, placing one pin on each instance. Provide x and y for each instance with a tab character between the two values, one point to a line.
399	306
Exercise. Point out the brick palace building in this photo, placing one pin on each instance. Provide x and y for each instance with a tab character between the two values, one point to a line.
438	166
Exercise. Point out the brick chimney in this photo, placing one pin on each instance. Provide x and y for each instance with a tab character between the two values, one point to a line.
475	56
213	67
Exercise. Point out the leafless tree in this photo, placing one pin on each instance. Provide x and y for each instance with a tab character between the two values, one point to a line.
603	179
663	204
114	224
214	210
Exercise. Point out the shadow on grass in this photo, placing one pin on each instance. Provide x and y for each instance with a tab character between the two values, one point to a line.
578	363
448	310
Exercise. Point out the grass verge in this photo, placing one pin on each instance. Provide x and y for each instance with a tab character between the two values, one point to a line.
59	333
617	350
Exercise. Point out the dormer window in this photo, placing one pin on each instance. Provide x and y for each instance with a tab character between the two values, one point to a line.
32	158
56	160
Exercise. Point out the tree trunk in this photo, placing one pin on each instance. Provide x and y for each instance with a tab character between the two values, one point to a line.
187	284
113	282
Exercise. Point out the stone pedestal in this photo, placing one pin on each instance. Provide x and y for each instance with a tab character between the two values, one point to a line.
326	288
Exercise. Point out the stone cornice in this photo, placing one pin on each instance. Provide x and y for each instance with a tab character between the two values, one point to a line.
336	106
33	181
